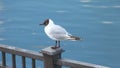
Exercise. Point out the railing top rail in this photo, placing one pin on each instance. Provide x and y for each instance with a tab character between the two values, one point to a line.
78	64
39	56
21	52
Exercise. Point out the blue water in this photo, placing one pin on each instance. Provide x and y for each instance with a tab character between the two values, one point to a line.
96	21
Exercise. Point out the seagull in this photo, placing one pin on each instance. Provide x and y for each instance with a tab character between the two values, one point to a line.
57	33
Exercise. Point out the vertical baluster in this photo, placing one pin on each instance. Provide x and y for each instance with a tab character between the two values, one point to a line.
23	62
13	60
3	59
33	63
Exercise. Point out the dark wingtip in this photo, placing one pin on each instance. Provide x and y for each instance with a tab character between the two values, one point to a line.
77	38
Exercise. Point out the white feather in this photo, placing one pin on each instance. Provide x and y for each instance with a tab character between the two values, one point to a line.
57	32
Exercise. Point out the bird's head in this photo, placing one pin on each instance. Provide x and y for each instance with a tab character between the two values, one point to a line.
46	22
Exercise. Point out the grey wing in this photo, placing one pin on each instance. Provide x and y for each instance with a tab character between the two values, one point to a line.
59	32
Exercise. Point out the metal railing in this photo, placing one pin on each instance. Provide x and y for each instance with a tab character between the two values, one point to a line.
50	57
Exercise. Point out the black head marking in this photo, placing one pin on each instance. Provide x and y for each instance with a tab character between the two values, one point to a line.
45	23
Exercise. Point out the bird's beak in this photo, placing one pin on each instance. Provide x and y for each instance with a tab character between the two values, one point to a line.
41	24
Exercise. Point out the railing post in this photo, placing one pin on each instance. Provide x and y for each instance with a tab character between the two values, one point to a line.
51	56
3	59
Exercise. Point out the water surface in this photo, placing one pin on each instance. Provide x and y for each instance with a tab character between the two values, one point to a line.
96	21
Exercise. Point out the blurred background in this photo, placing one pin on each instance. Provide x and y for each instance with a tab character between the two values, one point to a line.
96	21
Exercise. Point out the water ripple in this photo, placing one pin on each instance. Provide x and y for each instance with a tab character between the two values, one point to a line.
61	11
116	6
2	39
1	22
101	6
84	1
107	22
1	28
1	7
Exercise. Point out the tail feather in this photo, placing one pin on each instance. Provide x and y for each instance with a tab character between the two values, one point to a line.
76	38
73	38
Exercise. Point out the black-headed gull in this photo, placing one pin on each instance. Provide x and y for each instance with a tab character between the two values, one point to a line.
57	33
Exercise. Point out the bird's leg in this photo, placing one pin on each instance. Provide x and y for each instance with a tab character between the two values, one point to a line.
54	47
58	44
